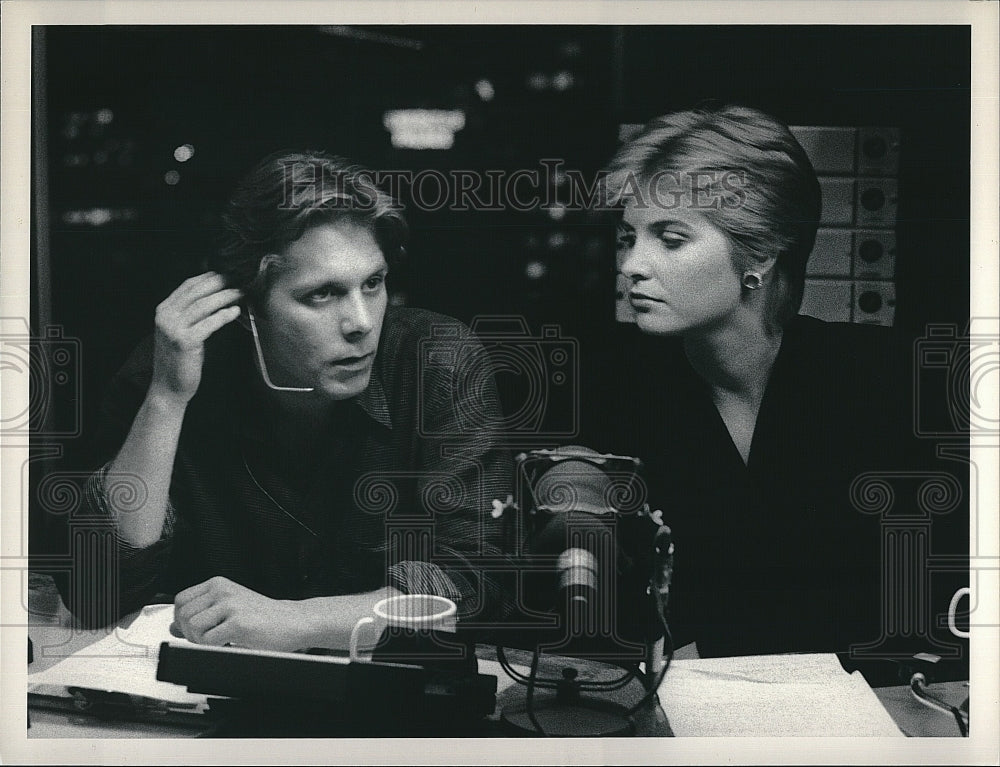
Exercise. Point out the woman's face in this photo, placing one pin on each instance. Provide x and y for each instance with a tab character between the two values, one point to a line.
321	320
679	268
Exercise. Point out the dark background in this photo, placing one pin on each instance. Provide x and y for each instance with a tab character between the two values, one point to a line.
236	93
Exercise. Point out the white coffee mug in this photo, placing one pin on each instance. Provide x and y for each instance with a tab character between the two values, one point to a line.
953	610
419	612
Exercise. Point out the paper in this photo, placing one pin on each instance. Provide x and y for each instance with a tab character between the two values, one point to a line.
772	696
124	661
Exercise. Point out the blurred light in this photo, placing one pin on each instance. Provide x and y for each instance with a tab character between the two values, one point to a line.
97	216
100	157
172	177
563	81
535	270
352	33
557	212
557	240
71	131
184	152
104	116
75	160
538	81
423	128
485	89
571	49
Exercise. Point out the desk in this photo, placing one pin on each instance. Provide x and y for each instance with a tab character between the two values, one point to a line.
54	638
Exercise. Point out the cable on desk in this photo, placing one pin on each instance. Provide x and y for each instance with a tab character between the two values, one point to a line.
608	685
529	701
653	691
918	686
960	720
512	672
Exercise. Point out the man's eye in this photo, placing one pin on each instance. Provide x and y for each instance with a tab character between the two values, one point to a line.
374	283
318	296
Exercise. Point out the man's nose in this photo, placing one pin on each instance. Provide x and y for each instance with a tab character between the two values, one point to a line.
357	316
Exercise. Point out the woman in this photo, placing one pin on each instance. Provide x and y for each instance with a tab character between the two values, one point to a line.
753	421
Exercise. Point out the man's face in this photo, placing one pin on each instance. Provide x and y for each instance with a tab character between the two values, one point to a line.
321	320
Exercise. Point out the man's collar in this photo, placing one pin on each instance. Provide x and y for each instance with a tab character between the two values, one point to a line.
372	400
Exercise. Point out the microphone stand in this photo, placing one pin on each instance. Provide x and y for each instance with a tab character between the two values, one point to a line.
563	709
566	712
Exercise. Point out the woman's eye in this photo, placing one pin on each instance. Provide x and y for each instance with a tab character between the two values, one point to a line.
624	240
374	283
672	239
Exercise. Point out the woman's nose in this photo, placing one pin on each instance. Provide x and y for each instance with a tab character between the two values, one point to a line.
634	265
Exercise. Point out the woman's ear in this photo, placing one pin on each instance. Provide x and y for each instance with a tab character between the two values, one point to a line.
764	264
755	274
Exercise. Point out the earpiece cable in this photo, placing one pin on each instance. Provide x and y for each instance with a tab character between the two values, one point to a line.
263	367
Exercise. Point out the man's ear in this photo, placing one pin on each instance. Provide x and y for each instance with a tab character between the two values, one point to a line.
244	318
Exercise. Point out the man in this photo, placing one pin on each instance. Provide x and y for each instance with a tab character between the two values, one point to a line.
298	459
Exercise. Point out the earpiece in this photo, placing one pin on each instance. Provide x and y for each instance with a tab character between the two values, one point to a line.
263	365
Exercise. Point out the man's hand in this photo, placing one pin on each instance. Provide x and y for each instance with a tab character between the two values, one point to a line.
188	316
184	320
220	612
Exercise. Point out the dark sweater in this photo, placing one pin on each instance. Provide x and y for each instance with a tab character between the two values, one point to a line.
789	552
398	493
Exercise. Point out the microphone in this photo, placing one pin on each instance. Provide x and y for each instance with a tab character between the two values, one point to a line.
599	554
578	576
574	522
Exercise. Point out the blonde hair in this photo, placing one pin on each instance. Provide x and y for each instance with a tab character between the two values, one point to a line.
765	193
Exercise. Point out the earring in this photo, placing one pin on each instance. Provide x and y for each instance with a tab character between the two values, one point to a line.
752	280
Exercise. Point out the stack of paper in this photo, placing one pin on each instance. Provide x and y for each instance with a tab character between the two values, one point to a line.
124	661
771	696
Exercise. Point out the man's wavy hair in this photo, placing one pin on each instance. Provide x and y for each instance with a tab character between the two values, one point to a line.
287	193
752	164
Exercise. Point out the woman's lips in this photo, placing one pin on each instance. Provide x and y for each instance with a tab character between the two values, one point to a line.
641	298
